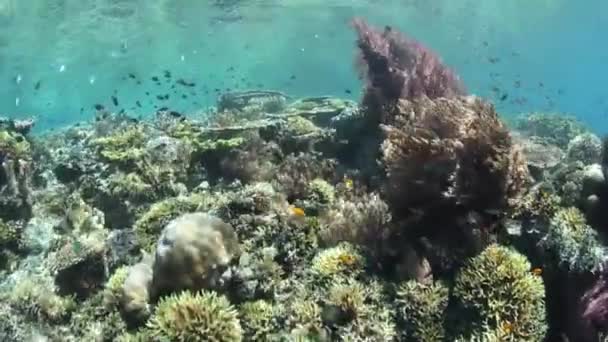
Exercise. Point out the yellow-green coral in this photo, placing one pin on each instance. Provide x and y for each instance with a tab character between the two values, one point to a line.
538	203
321	191
188	317
14	145
257	320
151	223
497	287
113	290
201	141
126	145
35	297
342	259
9	235
130	186
423	308
299	125
573	241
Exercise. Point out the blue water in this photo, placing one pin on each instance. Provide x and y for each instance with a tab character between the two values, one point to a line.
542	55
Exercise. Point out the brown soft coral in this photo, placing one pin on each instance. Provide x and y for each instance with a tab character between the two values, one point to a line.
449	150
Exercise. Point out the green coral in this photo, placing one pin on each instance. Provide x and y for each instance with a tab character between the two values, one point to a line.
112	292
36	298
321	191
423	308
497	288
557	129
201	141
130	186
257	319
149	226
9	235
298	125
573	241
125	145
204	316
538	203
14	145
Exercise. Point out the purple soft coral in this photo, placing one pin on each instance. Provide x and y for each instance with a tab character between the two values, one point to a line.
398	67
595	306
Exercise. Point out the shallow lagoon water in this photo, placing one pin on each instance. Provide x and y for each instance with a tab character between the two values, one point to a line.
546	55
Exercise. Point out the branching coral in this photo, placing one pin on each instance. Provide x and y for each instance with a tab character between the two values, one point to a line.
450	150
398	67
574	242
498	288
423	310
199	317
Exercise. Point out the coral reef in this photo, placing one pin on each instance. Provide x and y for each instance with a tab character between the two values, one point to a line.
413	215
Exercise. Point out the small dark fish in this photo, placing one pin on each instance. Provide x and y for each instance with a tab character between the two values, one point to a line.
292	77
485	43
541	84
154	78
131	76
184	96
183	82
99	107
175	114
495	89
147	93
230	69
517	84
217	90
115	101
138	103
138	82
494	60
348	91
504	97
37	86
160	97
162	109
167	74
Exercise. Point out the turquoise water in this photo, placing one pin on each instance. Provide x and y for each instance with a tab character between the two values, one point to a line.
58	59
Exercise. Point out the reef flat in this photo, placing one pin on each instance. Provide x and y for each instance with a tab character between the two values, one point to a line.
413	215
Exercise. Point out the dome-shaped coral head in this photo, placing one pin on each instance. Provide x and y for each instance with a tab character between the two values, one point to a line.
399	67
192	253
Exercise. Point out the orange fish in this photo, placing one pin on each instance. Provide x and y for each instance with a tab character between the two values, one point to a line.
537	271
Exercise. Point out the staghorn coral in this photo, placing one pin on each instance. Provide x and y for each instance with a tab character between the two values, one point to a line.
258	319
450	151
423	310
192	252
199	317
574	242
398	67
496	287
